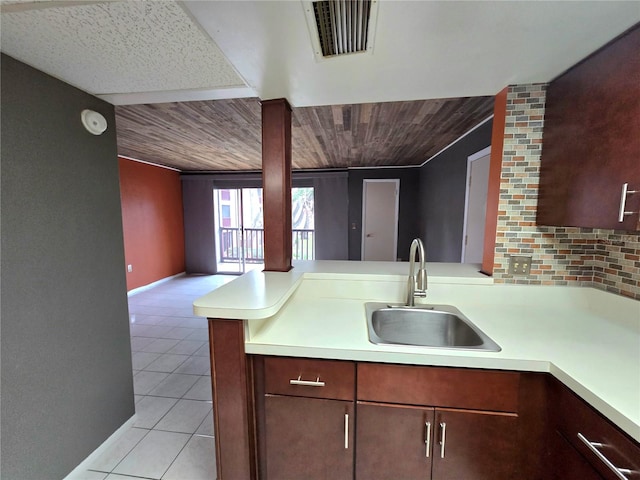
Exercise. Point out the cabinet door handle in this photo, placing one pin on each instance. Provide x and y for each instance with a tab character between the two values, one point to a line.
443	438
306	383
427	440
346	431
623	201
593	446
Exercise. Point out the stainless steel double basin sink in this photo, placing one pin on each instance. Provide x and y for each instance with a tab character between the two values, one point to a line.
435	326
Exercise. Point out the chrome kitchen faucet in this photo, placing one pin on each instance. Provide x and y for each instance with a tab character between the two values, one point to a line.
416	286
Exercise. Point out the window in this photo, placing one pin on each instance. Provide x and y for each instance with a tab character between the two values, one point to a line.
225	213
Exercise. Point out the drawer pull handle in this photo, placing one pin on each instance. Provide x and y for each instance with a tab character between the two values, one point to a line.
427	440
593	446
623	201
306	383
443	438
346	431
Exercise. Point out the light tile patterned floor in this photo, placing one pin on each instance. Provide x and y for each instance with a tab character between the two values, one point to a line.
172	438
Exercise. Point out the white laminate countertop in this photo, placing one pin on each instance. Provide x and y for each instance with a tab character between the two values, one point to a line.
588	339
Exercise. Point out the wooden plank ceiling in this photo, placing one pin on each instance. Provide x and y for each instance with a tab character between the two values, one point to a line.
224	135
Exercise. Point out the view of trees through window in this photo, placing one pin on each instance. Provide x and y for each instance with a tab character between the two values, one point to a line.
302	208
240	227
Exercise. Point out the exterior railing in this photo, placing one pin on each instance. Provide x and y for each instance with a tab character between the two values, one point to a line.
231	243
303	245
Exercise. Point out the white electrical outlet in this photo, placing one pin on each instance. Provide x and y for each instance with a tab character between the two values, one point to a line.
129	268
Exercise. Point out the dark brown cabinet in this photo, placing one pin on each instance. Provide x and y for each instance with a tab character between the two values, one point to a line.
593	443
591	141
398	441
326	419
475	444
394	442
567	463
309	438
308	427
436	423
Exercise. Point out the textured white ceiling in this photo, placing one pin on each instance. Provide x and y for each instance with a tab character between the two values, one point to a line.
116	47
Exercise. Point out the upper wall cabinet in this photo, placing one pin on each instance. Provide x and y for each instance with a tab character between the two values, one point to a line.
591	141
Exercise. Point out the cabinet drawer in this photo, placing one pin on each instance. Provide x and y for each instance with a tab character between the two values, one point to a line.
574	416
436	386
303	377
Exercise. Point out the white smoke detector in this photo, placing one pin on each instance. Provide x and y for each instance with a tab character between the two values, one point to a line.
94	122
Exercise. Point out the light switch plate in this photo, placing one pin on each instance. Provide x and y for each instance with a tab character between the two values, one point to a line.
519	265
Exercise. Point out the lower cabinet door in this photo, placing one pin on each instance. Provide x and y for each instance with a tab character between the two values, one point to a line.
567	463
309	438
474	445
393	442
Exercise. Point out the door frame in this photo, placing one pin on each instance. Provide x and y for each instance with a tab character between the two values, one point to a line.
471	158
396	181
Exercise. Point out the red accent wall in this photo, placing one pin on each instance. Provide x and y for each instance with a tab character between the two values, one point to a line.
495	169
152	221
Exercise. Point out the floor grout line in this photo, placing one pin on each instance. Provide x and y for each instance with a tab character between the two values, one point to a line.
131	449
176	457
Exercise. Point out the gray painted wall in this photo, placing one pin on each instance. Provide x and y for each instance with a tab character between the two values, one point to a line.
66	362
199	226
409	208
442	192
331	216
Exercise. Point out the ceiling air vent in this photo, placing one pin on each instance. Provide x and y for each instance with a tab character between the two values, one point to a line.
339	27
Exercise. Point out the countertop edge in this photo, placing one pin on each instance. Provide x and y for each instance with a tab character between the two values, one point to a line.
215	304
598	403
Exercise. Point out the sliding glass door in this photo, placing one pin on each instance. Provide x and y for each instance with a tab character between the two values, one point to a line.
302	222
240	227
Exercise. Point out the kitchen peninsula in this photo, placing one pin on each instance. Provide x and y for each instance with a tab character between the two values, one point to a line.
584	339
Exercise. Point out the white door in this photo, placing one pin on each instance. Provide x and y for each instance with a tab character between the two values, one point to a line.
380	219
476	206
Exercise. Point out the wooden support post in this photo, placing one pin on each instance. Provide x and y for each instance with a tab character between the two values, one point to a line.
233	412
495	169
276	184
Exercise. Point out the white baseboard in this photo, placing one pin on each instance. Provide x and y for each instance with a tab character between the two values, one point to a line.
108	443
154	284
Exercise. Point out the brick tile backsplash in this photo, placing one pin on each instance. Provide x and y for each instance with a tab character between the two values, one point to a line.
605	259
